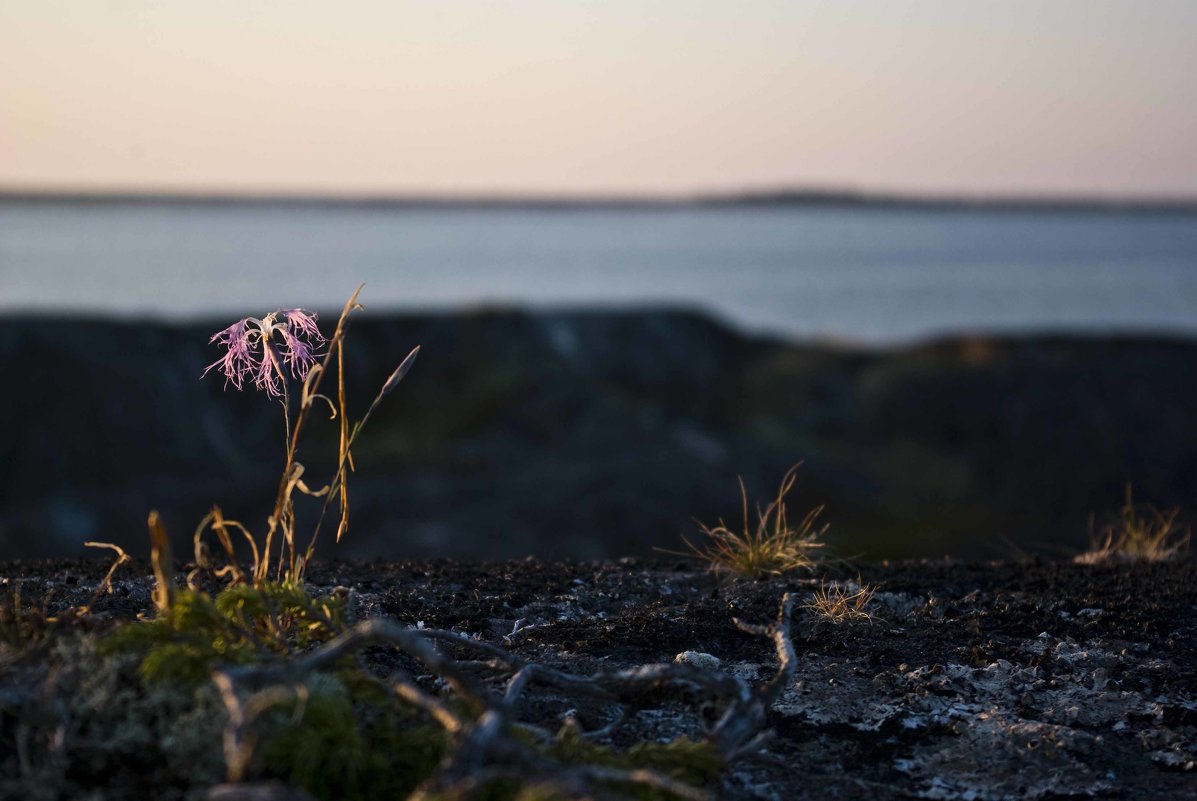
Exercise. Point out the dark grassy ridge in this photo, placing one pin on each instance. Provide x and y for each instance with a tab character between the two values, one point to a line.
592	434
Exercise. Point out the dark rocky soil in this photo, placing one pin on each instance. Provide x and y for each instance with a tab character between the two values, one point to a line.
1037	680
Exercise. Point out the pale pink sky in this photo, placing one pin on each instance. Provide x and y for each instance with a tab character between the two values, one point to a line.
613	96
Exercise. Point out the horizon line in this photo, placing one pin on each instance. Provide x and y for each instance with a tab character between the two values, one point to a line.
778	196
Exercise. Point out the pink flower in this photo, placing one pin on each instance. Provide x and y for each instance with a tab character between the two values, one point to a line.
260	349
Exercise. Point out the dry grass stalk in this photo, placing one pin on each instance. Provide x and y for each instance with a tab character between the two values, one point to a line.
771	547
106	583
339	482
1139	533
282	518
216	521
164	563
22	624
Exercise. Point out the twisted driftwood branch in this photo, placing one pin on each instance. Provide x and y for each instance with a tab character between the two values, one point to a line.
484	748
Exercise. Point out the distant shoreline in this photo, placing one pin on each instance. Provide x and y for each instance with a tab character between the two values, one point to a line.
962	339
796	198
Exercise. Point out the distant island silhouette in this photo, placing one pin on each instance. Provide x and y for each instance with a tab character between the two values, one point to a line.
792	197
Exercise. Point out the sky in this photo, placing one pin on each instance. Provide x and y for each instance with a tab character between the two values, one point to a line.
593	98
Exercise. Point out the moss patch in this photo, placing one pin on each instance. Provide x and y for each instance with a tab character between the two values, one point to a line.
339	744
241	624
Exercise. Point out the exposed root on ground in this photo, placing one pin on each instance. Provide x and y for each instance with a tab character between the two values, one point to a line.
491	739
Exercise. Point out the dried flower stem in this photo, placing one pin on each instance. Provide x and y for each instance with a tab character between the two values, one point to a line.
282	498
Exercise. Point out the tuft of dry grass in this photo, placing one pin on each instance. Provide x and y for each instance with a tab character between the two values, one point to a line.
1138	533
840	604
769	548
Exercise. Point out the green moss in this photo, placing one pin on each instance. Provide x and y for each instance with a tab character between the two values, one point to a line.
283	611
241	624
345	737
537	793
106	736
182	646
690	761
335	746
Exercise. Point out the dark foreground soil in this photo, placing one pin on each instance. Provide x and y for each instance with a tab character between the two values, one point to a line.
973	681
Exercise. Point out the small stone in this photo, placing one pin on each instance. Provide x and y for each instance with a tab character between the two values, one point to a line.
699	660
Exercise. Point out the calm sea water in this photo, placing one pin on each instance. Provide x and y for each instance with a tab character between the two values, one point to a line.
854	274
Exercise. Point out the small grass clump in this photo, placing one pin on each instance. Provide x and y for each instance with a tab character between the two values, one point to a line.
769	548
838	603
1137	533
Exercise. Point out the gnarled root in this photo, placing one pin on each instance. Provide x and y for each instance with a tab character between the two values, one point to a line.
485	748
